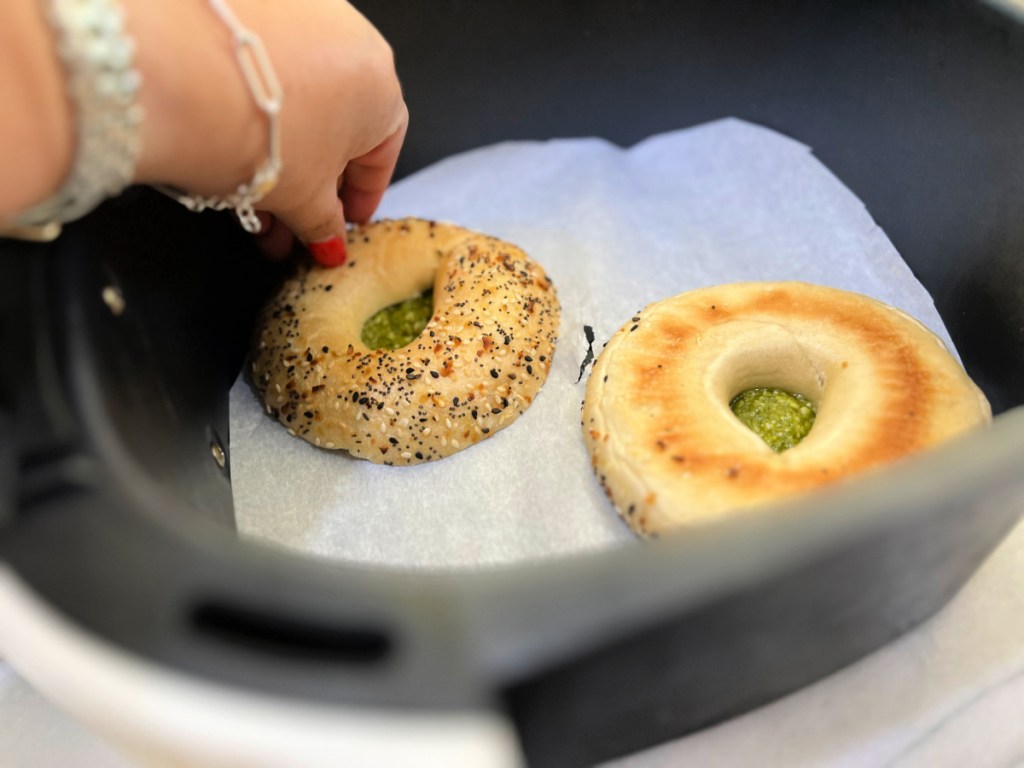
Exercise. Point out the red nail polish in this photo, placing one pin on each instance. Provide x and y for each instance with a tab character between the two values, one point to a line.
330	252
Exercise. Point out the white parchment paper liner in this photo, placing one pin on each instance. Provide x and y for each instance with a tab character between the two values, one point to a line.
616	229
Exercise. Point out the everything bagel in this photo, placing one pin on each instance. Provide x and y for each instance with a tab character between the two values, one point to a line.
478	364
668	450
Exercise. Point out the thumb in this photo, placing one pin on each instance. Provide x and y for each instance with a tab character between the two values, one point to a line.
320	225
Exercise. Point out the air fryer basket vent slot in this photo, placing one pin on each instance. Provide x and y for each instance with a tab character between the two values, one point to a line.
290	637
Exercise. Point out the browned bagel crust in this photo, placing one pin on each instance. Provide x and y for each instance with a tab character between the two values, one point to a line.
475	368
670	453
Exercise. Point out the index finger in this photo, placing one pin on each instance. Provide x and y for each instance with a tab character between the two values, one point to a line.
367	177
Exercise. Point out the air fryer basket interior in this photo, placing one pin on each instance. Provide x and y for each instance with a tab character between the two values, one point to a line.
121	515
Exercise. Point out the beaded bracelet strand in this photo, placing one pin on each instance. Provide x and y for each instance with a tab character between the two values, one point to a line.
103	86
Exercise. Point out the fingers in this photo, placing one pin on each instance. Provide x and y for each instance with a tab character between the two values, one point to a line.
366	177
275	239
320	224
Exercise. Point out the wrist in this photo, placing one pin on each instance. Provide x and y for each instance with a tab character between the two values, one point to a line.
201	126
36	135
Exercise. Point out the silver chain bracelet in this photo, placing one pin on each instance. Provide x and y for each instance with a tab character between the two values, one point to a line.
263	84
103	87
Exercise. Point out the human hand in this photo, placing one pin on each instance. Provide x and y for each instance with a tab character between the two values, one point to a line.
342	123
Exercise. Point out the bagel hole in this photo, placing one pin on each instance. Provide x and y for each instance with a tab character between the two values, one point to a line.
398	324
779	417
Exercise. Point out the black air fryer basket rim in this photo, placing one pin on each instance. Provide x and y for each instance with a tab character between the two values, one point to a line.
499	625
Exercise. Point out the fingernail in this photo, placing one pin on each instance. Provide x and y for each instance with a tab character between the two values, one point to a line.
330	252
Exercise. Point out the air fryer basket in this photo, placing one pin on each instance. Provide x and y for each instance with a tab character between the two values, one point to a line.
115	452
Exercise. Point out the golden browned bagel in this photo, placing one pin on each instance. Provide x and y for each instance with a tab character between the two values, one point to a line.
668	450
475	368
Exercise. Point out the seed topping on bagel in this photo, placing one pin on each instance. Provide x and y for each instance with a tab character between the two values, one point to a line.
476	366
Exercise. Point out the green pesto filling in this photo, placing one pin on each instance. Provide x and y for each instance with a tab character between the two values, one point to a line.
780	418
399	324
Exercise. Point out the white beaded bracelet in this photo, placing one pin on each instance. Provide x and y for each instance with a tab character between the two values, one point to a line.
103	86
266	92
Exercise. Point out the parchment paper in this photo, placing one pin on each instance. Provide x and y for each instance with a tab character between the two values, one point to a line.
616	229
